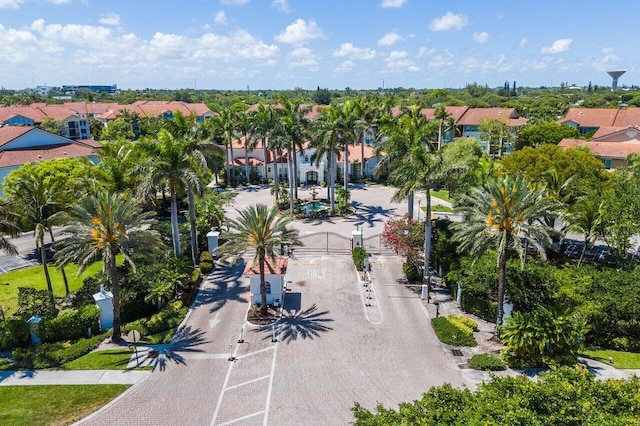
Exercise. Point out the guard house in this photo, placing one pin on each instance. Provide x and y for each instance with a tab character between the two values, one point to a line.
274	279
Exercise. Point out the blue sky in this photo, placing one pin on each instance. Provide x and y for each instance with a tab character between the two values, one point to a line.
283	44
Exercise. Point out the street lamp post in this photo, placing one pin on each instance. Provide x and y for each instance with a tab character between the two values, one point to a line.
419	203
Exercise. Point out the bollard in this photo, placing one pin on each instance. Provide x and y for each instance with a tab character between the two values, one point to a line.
274	339
241	340
437	308
231	357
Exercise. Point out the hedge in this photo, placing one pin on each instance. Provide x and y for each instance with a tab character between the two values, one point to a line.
169	317
486	362
50	355
70	325
451	334
358	254
14	333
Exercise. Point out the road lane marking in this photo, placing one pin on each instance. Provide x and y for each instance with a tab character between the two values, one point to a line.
248	382
248	416
215	321
254	353
273	371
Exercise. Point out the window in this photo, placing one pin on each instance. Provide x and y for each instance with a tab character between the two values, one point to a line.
268	285
269	169
607	163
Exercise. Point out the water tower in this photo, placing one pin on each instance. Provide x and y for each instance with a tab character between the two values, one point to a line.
615	75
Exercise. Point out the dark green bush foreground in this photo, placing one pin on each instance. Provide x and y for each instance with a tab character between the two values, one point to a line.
486	362
169	317
412	273
567	396
451	334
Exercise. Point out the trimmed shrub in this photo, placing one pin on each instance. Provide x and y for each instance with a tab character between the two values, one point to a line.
486	362
412	273
461	325
35	302
50	355
451	334
169	317
70	325
14	333
466	321
206	263
358	254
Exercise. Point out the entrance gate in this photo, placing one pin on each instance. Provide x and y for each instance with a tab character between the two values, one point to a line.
332	243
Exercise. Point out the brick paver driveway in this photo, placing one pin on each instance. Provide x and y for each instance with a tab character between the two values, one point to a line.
331	350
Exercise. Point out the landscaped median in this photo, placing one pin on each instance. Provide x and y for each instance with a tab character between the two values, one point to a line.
455	330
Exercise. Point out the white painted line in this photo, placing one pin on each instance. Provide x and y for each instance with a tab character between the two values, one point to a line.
215	321
273	370
255	353
248	382
224	387
248	416
196	356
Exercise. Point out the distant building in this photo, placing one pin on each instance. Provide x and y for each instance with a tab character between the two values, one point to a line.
70	90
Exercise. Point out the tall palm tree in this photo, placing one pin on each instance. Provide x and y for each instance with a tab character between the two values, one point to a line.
224	126
351	128
586	217
118	163
411	129
327	132
499	215
36	200
442	115
260	228
7	228
195	141
293	124
243	127
170	163
262	123
101	227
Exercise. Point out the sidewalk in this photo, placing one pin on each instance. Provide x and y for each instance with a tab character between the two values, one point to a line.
72	377
447	305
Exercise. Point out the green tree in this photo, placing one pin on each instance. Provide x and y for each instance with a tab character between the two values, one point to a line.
9	228
223	126
496	133
548	132
118	130
101	227
263	230
293	133
586	217
39	202
327	131
160	292
262	124
169	162
500	215
51	125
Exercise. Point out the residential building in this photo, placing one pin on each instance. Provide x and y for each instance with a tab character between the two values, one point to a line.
612	148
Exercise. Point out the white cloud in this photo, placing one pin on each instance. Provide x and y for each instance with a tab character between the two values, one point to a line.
345	67
303	57
523	42
300	32
392	3
481	37
110	19
390	39
81	35
608	61
10	4
234	2
561	45
396	54
281	5
59	2
449	22
221	18
352	52
444	59
423	51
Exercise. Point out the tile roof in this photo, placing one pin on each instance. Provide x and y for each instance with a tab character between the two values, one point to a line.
629	117
473	116
617	134
280	267
591	117
9	133
21	156
619	150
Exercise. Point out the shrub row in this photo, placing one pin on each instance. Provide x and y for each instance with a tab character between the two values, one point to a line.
412	272
14	333
451	334
463	322
169	317
486	362
70	325
50	355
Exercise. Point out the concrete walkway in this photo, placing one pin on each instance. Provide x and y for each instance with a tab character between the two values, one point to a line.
72	377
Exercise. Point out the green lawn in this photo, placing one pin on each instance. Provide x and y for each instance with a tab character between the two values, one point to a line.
443	194
47	405
33	276
113	359
619	359
442	209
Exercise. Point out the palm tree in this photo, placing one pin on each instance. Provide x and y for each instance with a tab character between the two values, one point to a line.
442	115
194	139
36	200
262	123
499	215
260	228
116	160
159	293
411	129
224	126
101	227
326	141
293	126
170	163
7	227
243	126
586	217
